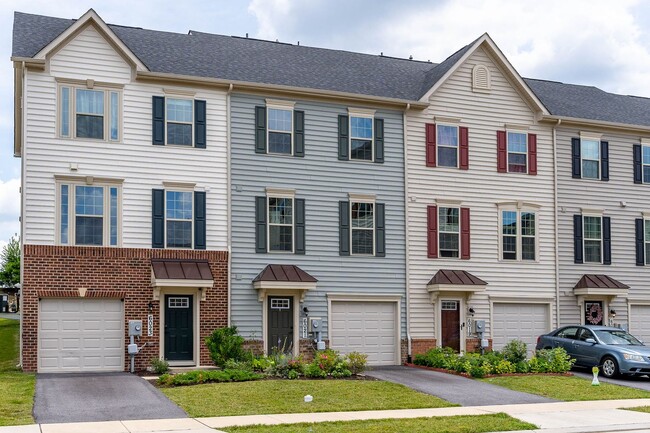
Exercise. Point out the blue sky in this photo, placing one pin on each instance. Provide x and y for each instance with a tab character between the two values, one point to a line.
592	42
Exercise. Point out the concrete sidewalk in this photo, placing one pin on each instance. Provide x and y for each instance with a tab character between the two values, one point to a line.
560	417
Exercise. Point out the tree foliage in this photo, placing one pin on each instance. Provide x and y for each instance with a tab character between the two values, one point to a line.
10	263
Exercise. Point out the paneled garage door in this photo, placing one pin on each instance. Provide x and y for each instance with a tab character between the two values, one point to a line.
366	327
640	322
77	335
518	321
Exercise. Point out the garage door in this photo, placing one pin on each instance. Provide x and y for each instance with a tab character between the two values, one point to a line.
366	327
77	335
519	321
640	322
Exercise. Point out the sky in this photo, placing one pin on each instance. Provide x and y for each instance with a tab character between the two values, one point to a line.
602	43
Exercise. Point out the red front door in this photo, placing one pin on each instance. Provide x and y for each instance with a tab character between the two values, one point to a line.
450	324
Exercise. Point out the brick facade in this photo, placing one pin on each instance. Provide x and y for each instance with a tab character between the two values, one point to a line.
124	273
422	345
474	345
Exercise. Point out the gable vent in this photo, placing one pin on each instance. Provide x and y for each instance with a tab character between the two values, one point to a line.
481	78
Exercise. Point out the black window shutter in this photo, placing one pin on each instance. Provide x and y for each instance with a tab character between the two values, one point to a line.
260	224
344	228
379	140
640	239
299	133
607	241
199	125
344	143
158	218
576	171
300	226
260	129
158	120
199	220
638	171
380	230
577	239
604	160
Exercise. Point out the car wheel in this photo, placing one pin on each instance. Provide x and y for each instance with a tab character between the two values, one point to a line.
610	367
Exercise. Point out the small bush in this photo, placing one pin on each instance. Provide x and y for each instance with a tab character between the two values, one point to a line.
554	360
202	376
232	364
224	344
437	358
515	351
357	362
261	363
286	366
159	366
313	371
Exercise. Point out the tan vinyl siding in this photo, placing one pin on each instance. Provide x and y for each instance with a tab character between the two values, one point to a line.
480	188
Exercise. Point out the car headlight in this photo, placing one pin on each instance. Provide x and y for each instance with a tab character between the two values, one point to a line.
637	358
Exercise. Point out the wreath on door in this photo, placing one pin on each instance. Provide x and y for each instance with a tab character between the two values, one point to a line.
595	314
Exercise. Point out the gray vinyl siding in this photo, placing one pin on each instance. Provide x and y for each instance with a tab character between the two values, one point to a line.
322	180
575	194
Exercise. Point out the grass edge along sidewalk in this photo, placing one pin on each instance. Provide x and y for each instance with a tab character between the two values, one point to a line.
16	387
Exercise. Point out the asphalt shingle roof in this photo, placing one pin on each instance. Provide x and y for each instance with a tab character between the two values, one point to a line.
250	60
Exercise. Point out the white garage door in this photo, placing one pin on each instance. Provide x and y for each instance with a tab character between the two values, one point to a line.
366	327
640	322
77	335
519	321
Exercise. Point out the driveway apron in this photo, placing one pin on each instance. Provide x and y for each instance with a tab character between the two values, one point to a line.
80	397
454	389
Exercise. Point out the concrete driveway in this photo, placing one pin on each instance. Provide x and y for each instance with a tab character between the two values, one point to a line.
454	389
79	397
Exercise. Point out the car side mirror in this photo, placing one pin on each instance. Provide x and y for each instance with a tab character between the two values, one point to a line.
590	340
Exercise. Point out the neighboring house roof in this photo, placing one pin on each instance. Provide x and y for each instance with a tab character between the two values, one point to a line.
171	269
593	281
455	277
284	273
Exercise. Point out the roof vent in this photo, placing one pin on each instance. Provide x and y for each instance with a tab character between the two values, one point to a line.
481	79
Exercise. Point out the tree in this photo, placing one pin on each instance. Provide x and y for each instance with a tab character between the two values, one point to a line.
10	263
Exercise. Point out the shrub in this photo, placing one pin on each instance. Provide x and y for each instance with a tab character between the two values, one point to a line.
159	366
202	376
261	363
522	367
556	360
357	362
515	351
232	364
224	344
313	371
330	363
286	366
437	358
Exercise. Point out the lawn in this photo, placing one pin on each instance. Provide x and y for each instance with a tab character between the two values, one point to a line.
645	409
566	388
287	396
16	388
451	424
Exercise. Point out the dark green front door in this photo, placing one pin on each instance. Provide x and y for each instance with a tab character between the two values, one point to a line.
179	345
280	324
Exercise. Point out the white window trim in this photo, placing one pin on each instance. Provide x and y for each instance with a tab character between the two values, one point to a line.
284	106
508	152
644	144
73	86
106	239
178	97
288	194
166	190
582	158
359	199
440	232
363	115
438	145
584	238
646	258
519	208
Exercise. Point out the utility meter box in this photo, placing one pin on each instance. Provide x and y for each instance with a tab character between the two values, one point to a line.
484	343
135	328
132	349
479	326
315	324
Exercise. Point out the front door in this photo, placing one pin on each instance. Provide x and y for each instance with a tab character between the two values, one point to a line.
179	338
450	324
280	324
594	314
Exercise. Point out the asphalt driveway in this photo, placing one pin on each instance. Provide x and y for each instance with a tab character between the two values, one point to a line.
80	397
454	389
638	382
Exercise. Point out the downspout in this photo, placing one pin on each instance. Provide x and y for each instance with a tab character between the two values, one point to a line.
406	238
23	121
229	199
555	213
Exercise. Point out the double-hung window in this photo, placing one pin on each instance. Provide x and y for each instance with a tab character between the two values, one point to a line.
361	138
447	139
280	130
646	163
89	113
179	219
517	152
180	121
646	240
590	158
518	234
592	238
449	231
281	224
88	214
362	218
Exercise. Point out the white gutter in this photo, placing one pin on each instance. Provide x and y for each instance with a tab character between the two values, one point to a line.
556	234
406	236
229	198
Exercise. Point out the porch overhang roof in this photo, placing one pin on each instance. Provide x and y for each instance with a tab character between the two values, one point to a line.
600	285
284	277
448	280
181	273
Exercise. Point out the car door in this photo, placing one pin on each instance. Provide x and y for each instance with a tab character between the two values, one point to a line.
565	339
586	353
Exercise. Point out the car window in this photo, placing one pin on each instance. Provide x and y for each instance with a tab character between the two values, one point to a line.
584	334
617	337
568	333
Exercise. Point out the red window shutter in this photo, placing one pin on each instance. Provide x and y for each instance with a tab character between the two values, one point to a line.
430	129
463	148
464	233
532	154
432	232
502	152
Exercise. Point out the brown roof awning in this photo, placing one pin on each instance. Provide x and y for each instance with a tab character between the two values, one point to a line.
171	269
593	284
453	277
284	273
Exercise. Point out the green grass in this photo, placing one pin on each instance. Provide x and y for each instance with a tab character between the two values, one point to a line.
645	409
287	396
566	388
451	424
16	388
